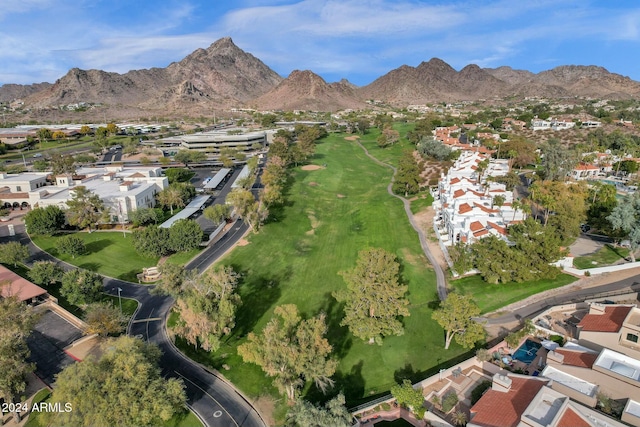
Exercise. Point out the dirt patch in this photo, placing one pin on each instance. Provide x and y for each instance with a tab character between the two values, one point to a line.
352	138
242	242
313	184
311	167
266	406
424	219
314	223
341	196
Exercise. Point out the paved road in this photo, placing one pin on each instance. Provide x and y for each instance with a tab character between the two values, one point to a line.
531	310
440	279
217	403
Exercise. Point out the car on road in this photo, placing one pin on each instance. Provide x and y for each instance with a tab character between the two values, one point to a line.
37	155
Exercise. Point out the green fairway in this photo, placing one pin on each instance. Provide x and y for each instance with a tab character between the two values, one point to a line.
606	255
492	297
108	253
330	215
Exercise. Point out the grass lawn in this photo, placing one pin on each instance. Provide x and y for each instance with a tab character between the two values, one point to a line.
330	215
492	297
425	199
109	253
606	255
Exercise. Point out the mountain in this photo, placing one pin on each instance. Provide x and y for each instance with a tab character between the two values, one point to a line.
10	91
223	75
434	81
219	76
305	90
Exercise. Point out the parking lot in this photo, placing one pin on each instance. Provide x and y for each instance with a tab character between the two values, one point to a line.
47	342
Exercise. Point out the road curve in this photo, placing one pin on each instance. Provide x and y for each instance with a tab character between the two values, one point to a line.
215	401
440	279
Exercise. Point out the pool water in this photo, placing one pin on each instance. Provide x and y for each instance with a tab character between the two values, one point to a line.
527	351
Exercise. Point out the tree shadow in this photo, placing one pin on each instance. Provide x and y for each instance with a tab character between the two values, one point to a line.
258	295
98	245
339	337
406	373
434	304
91	266
351	384
357	225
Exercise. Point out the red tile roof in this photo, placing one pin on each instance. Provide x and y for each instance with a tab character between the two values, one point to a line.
18	286
484	208
610	321
480	233
455	180
464	208
577	358
458	193
475	226
504	409
571	419
498	228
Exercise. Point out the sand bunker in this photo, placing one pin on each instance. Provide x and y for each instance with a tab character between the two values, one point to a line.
352	138
341	196
313	183
311	167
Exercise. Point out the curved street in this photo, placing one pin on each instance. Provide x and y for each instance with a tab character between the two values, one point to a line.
215	401
440	280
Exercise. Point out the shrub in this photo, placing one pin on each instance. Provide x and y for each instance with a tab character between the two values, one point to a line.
477	392
449	401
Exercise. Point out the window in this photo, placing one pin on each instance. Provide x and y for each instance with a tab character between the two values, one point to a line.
632	337
18	188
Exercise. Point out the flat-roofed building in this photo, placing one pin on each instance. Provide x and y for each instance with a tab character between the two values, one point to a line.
214	141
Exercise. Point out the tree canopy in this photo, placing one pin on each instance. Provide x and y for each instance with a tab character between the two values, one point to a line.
81	286
332	414
13	253
17	320
85	208
455	315
46	221
207	306
626	218
407	179
124	387
291	350
45	273
374	299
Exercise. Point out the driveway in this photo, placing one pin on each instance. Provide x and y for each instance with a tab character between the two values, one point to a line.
47	343
585	246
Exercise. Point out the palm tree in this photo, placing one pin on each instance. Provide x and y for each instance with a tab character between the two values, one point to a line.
498	200
170	197
525	207
515	205
459	418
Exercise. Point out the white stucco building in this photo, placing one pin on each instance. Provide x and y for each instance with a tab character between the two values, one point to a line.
466	203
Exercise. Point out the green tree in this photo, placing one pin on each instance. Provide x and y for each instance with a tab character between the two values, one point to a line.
144	216
104	319
112	129
17	320
557	160
46	221
62	164
217	213
85	208
184	235
242	201
85	130
626	218
178	175
71	245
151	241
430	147
171	279
456	315
127	372
306	414
407	179
374	299
207	306
170	197
13	253
45	273
81	287
499	200
291	350
44	134
409	397
189	156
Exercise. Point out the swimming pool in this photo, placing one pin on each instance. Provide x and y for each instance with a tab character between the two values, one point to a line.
527	351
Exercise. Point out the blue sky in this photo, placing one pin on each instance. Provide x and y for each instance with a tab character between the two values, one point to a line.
40	40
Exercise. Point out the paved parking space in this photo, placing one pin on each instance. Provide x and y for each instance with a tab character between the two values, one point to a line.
47	342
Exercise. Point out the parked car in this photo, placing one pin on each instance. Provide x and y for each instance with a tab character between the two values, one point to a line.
37	155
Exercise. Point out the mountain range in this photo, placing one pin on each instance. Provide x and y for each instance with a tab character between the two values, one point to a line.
224	76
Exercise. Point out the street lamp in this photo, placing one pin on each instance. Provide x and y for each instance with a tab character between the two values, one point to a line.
120	299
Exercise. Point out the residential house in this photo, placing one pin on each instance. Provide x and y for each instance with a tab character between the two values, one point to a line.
585	171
